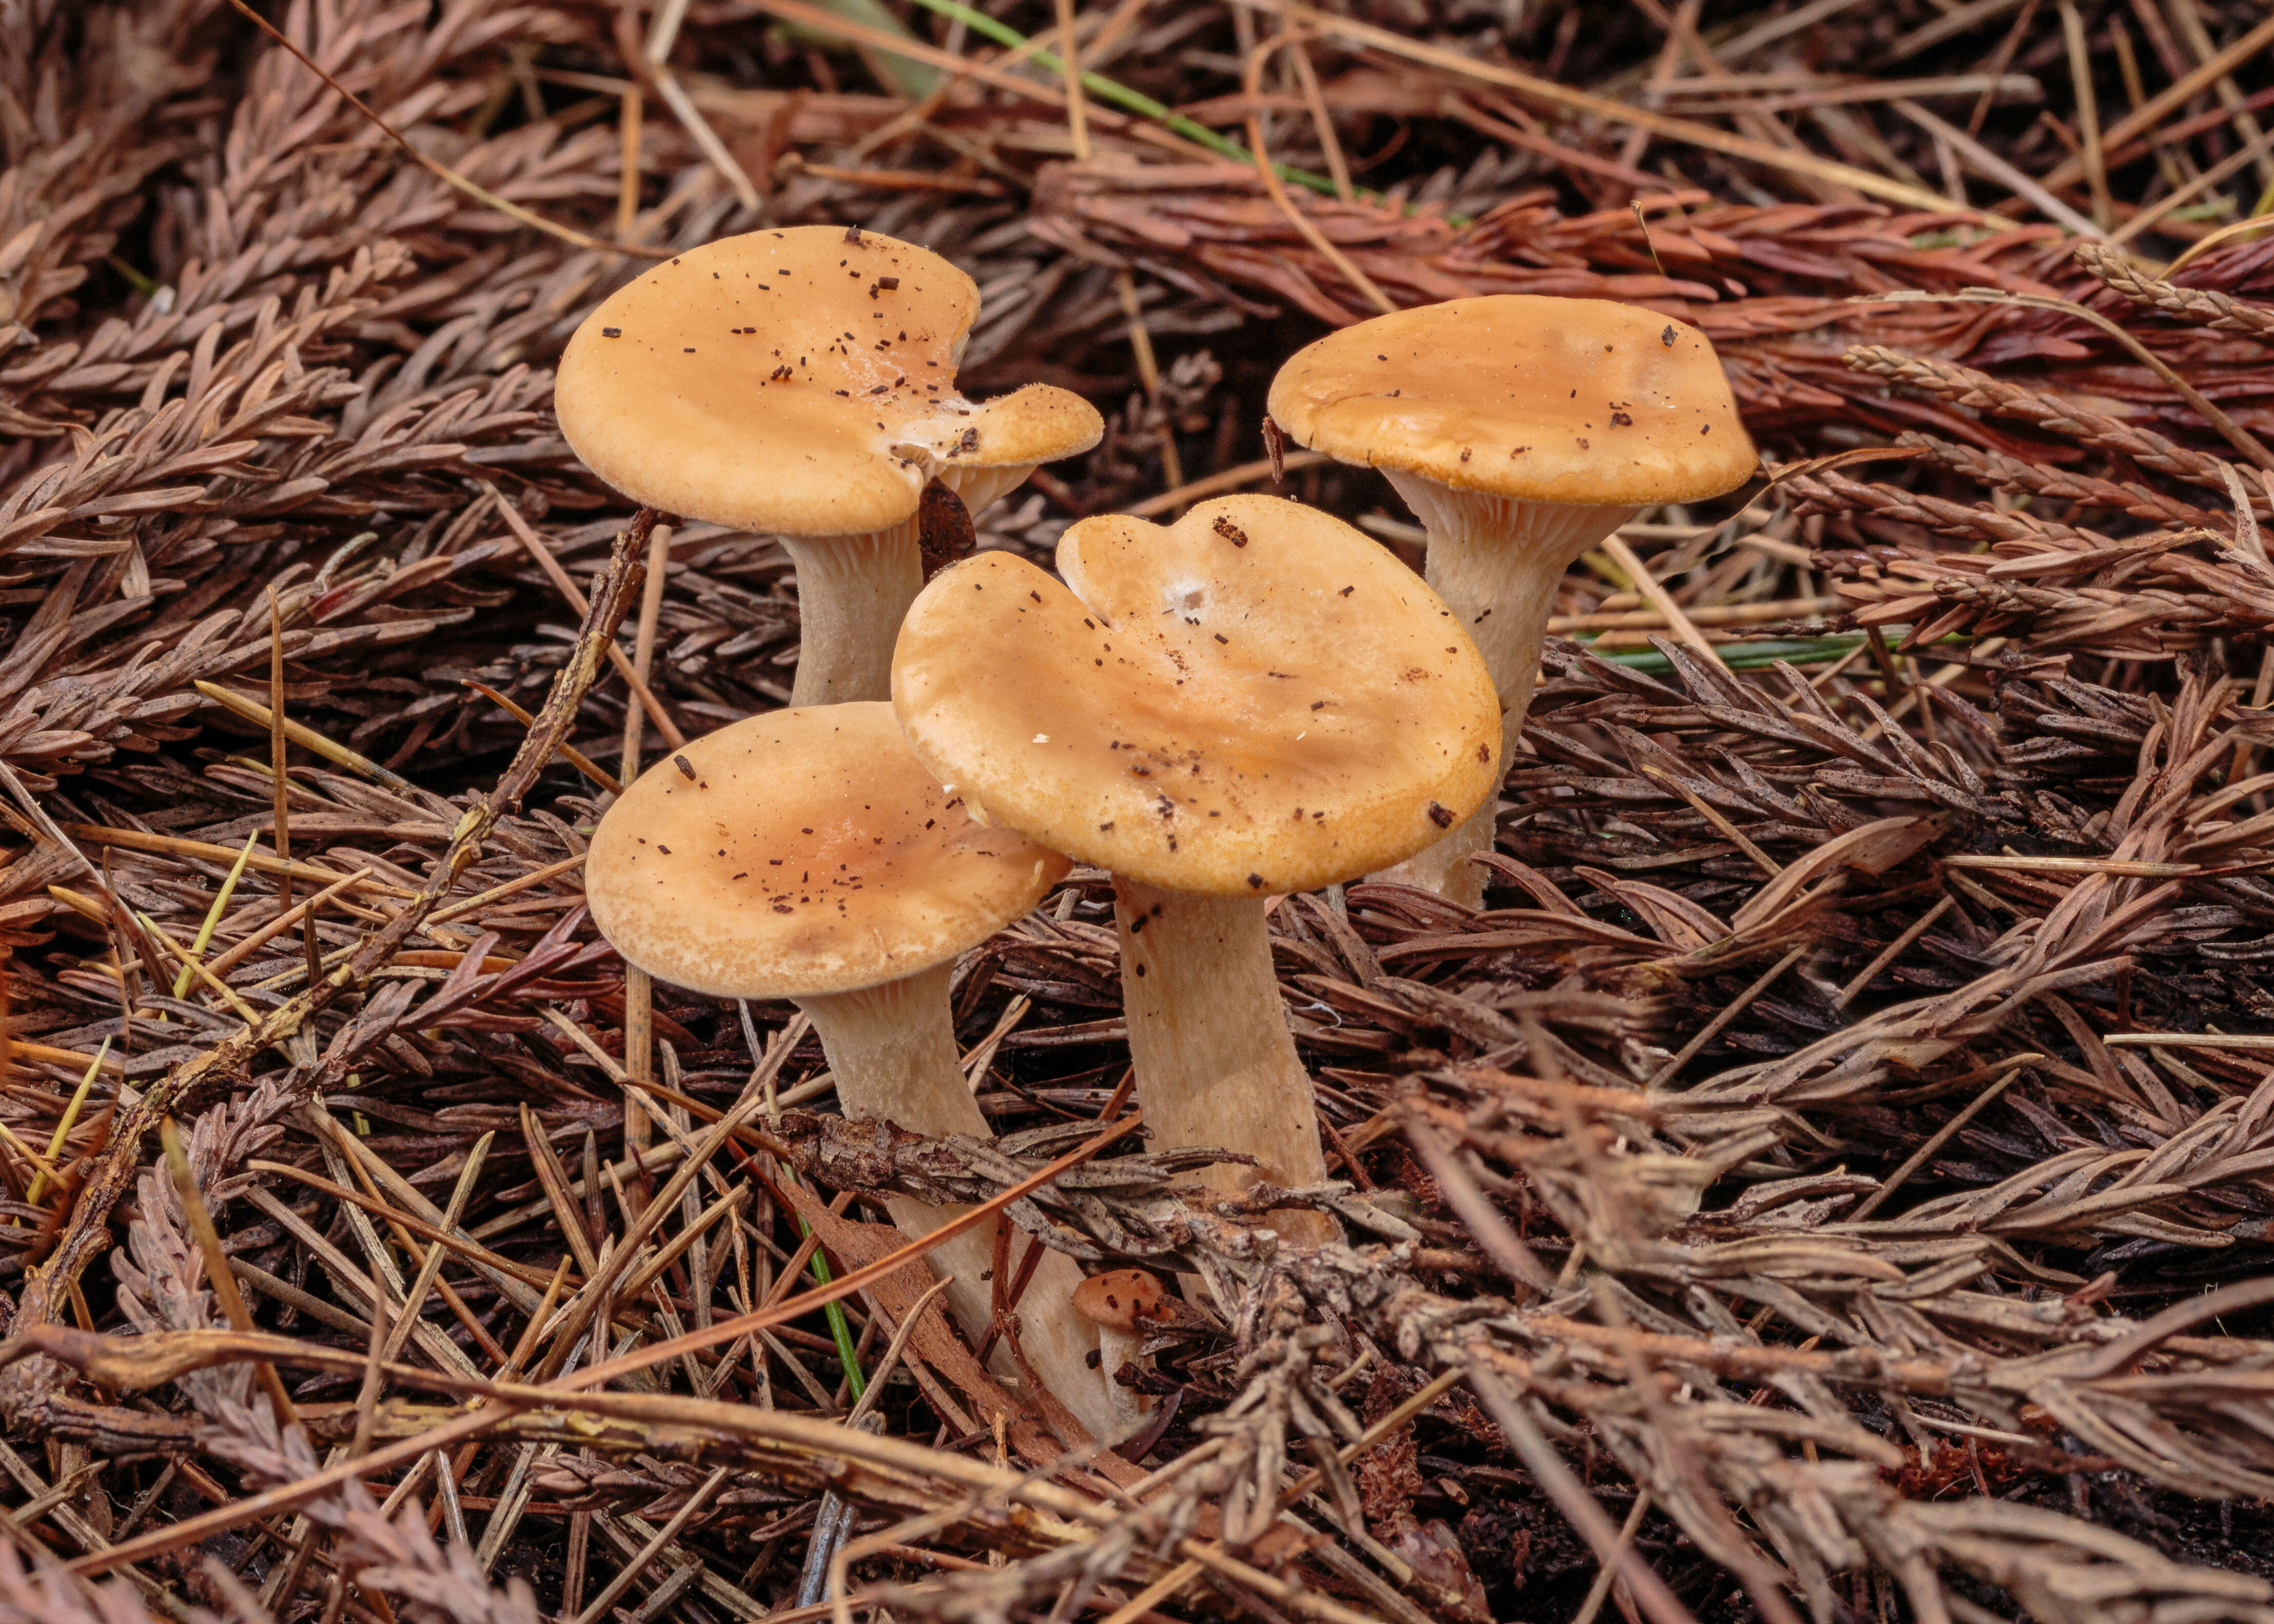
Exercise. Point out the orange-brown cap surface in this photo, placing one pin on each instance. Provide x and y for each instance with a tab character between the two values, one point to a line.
799	382
1255	698
1580	400
1123	1300
808	853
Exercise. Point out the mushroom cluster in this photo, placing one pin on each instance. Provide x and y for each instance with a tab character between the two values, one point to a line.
1253	700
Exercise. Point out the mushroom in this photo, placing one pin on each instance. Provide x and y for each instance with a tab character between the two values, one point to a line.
1122	1304
1256	699
802	382
1521	431
804	854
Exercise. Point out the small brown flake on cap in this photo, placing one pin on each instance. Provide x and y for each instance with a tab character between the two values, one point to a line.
853	234
686	768
1230	531
1440	816
612	331
1666	337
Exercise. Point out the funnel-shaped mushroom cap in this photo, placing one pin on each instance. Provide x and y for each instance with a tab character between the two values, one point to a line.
800	382
808	853
1255	698
1578	401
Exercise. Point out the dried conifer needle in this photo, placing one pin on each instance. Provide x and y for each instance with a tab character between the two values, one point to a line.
204	938
64	1125
219	1276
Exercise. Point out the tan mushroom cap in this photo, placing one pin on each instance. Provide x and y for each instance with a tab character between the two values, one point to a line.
1123	1300
1580	400
809	853
1254	699
798	382
1039	423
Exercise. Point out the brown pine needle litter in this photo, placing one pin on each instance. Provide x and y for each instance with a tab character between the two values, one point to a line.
1831	1179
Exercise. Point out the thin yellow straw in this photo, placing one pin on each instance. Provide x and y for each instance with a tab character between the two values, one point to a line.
213	915
64	1127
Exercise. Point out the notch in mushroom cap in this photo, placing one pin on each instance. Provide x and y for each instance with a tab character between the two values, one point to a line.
1254	699
804	854
1521	430
802	382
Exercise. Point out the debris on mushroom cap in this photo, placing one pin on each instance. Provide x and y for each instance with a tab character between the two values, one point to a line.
1122	1300
809	853
1580	400
1220	717
796	381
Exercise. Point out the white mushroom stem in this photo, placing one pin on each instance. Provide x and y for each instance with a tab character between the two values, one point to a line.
853	593
1115	1349
1496	562
1207	1035
892	1050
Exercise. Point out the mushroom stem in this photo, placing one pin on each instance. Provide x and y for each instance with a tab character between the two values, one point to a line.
853	593
1496	561
1207	1034
1115	1349
892	1049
